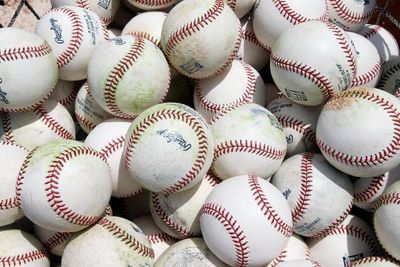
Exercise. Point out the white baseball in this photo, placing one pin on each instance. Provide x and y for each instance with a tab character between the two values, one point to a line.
387	212
241	7
319	196
354	116
47	122
112	241
54	242
299	124
248	140
238	84
192	41
296	249
390	76
147	24
246	221
22	249
65	93
340	246
64	201
300	263
128	74
149	4
350	15
105	9
24	57
374	261
10	164
273	17
178	214
383	40
72	33
308	79
159	240
368	62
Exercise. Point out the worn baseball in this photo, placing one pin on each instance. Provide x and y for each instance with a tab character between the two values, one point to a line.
65	93
390	76
10	164
178	214
374	261
116	242
72	33
387	212
53	241
299	124
19	248
352	240
105	9
192	41
296	249
320	197
23	53
238	84
383	40
128	74
64	201
307	79
47	122
150	4
241	7
248	140
354	115
273	17
108	138
368	62
168	148
147	24
300	263
249	229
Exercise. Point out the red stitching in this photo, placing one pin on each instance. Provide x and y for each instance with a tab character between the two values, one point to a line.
232	4
52	124
84	4
292	16
24	258
371	31
367	77
299	126
307	72
245	97
336	223
305	187
154	3
126	238
27	52
70	98
223	112
279	259
112	146
21	176
56	239
85	122
211	180
375	184
174	115
376	158
346	14
251	37
159	238
233	228
387	74
371	259
8	203
266	208
392	198
145	35
6	121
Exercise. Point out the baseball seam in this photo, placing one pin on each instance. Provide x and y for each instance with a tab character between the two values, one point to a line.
372	31
112	146
70	98
160	238
299	126
371	190
154	3
370	259
6	123
232	4
279	259
16	53
8	203
84	4
30	107
386	199
52	124
56	239
23	259
347	15
367	77
251	37
387	74
85	122
292	16
21	176
144	35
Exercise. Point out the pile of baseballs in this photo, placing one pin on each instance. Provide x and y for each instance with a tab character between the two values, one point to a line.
200	133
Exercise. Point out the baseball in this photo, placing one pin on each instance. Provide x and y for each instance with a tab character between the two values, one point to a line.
390	76
128	74
168	148
296	249
23	53
238	84
374	261
300	263
307	79
354	115
64	201
54	242
150	4
72	33
252	227
241	7
248	140
192	41
65	93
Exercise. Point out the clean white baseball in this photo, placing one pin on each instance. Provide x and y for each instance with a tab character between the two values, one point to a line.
354	116
22	249
47	122
299	124
54	242
241	7
238	84
65	93
128	74
308	79
390	76
246	221
374	261
10	164
112	241
273	17
248	140
300	263
64	201
24	57
387	212
108	138
147	24
149	4
178	214
72	33
192	41
350	15
296	249
320	197
168	148
340	246
368	62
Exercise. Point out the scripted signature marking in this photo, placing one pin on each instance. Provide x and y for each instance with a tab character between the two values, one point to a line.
176	138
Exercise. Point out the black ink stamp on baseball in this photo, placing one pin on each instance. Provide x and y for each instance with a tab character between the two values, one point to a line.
57	31
175	138
3	95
